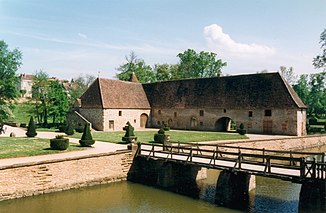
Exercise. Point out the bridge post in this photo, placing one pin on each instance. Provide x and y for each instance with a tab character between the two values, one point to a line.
313	196
232	189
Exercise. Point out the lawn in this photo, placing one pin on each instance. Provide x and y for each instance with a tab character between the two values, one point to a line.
23	147
175	136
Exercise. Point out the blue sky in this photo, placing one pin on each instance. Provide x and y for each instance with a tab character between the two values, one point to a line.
67	38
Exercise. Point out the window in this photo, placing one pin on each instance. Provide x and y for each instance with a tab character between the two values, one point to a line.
268	112
135	120
224	110
120	113
158	122
201	113
201	123
175	114
159	111
250	114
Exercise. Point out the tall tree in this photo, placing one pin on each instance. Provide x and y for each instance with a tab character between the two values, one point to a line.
10	61
143	71
199	65
288	74
57	103
40	89
320	60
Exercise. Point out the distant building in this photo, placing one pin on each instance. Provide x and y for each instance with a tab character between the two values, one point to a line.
25	85
264	103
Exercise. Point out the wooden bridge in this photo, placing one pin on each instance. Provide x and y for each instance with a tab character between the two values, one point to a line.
285	165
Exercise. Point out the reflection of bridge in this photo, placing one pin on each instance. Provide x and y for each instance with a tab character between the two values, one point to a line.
285	165
176	167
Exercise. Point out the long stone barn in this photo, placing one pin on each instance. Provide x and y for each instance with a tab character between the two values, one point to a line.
264	103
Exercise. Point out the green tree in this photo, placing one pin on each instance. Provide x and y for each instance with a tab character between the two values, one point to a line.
57	102
312	90
31	129
143	71
166	72
10	61
320	60
39	94
199	65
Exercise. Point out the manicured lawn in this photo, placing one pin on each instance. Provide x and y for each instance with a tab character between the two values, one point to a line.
175	136
22	147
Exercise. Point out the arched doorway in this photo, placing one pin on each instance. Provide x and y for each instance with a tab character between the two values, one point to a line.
143	120
223	124
193	122
170	122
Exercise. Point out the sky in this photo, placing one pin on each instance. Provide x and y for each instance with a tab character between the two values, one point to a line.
69	38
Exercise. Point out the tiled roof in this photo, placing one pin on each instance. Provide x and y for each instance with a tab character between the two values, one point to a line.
266	90
114	94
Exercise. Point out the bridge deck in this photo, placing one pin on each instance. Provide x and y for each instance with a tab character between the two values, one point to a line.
292	166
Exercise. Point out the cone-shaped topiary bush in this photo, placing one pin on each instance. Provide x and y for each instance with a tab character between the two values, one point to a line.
69	130
159	137
31	129
241	130
130	135
86	139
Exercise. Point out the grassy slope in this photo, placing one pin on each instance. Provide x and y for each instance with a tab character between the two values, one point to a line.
22	112
181	136
22	147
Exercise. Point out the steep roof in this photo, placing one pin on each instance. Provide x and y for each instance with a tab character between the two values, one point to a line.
266	90
114	94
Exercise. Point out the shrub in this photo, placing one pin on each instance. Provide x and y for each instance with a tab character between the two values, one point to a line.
23	125
31	129
325	126
86	139
166	127
79	128
130	135
69	130
59	143
159	137
62	128
241	130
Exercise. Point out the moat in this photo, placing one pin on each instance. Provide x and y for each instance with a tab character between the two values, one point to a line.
270	195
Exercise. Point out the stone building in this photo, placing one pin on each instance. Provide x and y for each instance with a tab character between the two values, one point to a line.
25	85
109	104
264	103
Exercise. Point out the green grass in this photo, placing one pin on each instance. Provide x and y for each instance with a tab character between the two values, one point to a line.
175	136
23	147
23	112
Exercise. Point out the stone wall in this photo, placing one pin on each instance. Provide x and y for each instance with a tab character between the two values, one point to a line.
95	116
281	121
57	175
116	119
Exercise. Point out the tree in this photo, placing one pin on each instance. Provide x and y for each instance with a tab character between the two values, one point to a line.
312	90
39	94
57	102
143	71
166	72
320	60
199	65
288	74
78	86
10	61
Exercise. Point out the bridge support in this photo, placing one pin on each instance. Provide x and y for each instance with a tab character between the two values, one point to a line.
232	189
313	196
172	176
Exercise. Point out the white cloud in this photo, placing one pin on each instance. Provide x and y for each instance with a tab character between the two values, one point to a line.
81	35
219	41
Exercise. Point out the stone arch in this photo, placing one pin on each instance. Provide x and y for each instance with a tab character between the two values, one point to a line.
223	124
170	122
143	120
193	122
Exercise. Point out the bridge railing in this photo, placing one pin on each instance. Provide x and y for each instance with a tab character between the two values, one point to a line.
268	160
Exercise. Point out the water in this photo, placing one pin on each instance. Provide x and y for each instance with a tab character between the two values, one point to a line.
270	195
